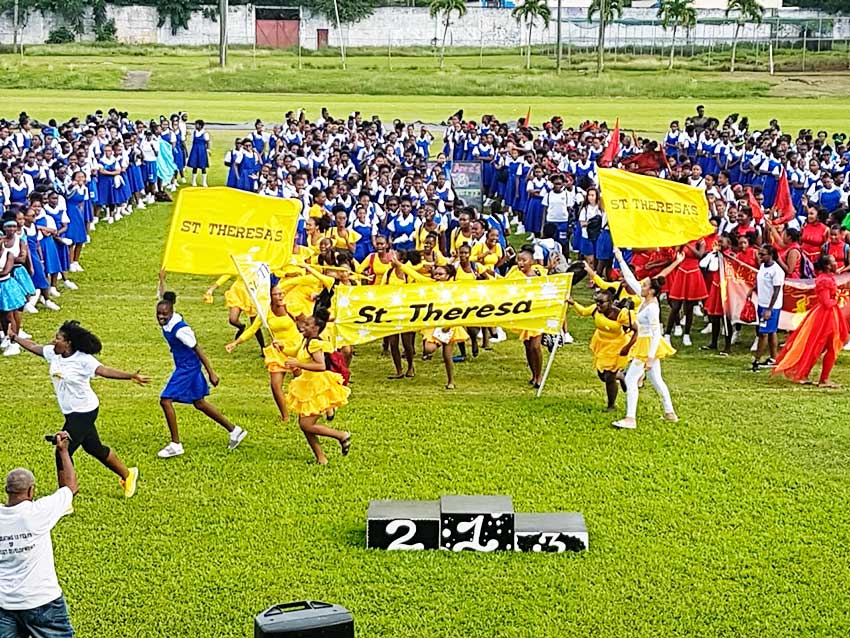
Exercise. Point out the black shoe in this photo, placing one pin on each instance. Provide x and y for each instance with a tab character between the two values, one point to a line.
770	363
755	367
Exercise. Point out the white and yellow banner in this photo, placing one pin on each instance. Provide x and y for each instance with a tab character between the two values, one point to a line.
367	313
257	278
209	225
647	212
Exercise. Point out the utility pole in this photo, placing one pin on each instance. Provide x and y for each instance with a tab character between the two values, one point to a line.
15	19
560	53
222	33
600	54
341	37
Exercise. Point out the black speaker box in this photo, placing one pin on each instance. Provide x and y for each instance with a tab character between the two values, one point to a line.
304	619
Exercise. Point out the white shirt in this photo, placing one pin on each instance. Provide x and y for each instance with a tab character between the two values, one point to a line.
27	572
185	335
556	204
768	277
71	376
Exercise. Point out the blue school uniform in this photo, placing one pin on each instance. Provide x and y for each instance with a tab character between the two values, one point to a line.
187	383
231	159
248	166
18	193
76	200
49	254
20	274
522	183
423	147
134	173
178	151
125	191
510	194
198	156
61	249
39	277
12	296
107	194
671	144
364	245
403	232
533	221
485	154
771	181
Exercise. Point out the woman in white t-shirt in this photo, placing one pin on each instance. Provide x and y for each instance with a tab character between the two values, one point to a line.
72	367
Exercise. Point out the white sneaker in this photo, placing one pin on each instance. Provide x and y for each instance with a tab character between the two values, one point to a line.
846	346
53	292
736	336
520	229
110	220
141	205
667	340
117	216
183	180
500	336
51	305
5	342
236	437
170	450
677	331
73	267
12	350
624	425
706	330
128	211
567	338
30	308
70	285
698	312
686	341
755	346
24	335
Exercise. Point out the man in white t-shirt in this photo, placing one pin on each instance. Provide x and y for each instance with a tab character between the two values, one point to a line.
31	600
769	282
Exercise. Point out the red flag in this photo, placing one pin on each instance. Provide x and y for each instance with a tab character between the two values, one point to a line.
755	207
647	162
783	203
613	146
528	117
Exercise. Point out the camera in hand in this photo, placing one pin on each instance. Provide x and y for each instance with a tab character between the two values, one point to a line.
51	438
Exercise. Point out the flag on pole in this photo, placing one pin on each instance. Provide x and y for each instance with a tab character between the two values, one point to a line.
613	147
528	117
755	207
782	203
647	212
257	278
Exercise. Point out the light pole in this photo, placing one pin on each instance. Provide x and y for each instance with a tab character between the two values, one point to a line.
222	33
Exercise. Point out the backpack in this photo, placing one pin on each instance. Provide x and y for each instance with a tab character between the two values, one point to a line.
807	268
594	227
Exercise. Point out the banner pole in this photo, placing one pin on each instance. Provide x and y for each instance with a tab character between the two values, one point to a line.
260	313
548	367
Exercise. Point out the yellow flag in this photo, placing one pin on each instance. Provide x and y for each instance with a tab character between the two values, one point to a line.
257	278
647	212
209	225
367	313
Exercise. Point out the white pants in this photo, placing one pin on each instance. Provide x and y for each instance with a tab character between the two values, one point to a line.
633	375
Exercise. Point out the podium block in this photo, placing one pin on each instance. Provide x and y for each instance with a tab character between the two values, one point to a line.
405	525
304	619
555	533
477	523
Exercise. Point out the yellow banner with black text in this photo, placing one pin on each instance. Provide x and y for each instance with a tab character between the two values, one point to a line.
367	313
209	225
647	212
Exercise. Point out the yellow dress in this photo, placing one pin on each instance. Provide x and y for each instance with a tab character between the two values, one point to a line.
608	339
284	331
422	234
343	243
487	262
624	292
314	393
462	275
459	239
374	264
439	336
237	297
516	273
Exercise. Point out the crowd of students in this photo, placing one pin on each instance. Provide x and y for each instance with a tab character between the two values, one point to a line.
58	181
380	207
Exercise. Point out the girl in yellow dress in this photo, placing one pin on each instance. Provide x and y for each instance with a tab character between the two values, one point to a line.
649	348
431	255
400	273
444	338
237	301
316	390
489	254
468	270
531	339
610	341
341	236
285	342
314	229
376	264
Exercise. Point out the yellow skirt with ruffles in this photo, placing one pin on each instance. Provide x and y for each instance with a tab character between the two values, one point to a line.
298	303
314	393
606	352
459	335
525	335
276	359
641	349
237	297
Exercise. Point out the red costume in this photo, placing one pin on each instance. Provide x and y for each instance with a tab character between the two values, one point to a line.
687	282
783	255
750	256
823	331
812	239
838	250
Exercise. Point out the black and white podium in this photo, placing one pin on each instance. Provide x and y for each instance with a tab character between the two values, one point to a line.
471	523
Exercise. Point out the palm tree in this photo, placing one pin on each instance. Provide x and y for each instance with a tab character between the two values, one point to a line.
676	13
528	12
608	11
446	8
748	11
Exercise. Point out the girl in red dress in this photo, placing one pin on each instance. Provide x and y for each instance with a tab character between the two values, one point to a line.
823	331
814	234
838	248
687	289
747	253
714	304
788	247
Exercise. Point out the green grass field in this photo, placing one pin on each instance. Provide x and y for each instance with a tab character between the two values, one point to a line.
730	523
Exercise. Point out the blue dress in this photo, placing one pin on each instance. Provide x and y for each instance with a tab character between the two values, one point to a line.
534	210
364	245
198	157
247	167
49	254
187	383
61	249
12	296
76	200
179	150
18	193
39	277
107	194
403	232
